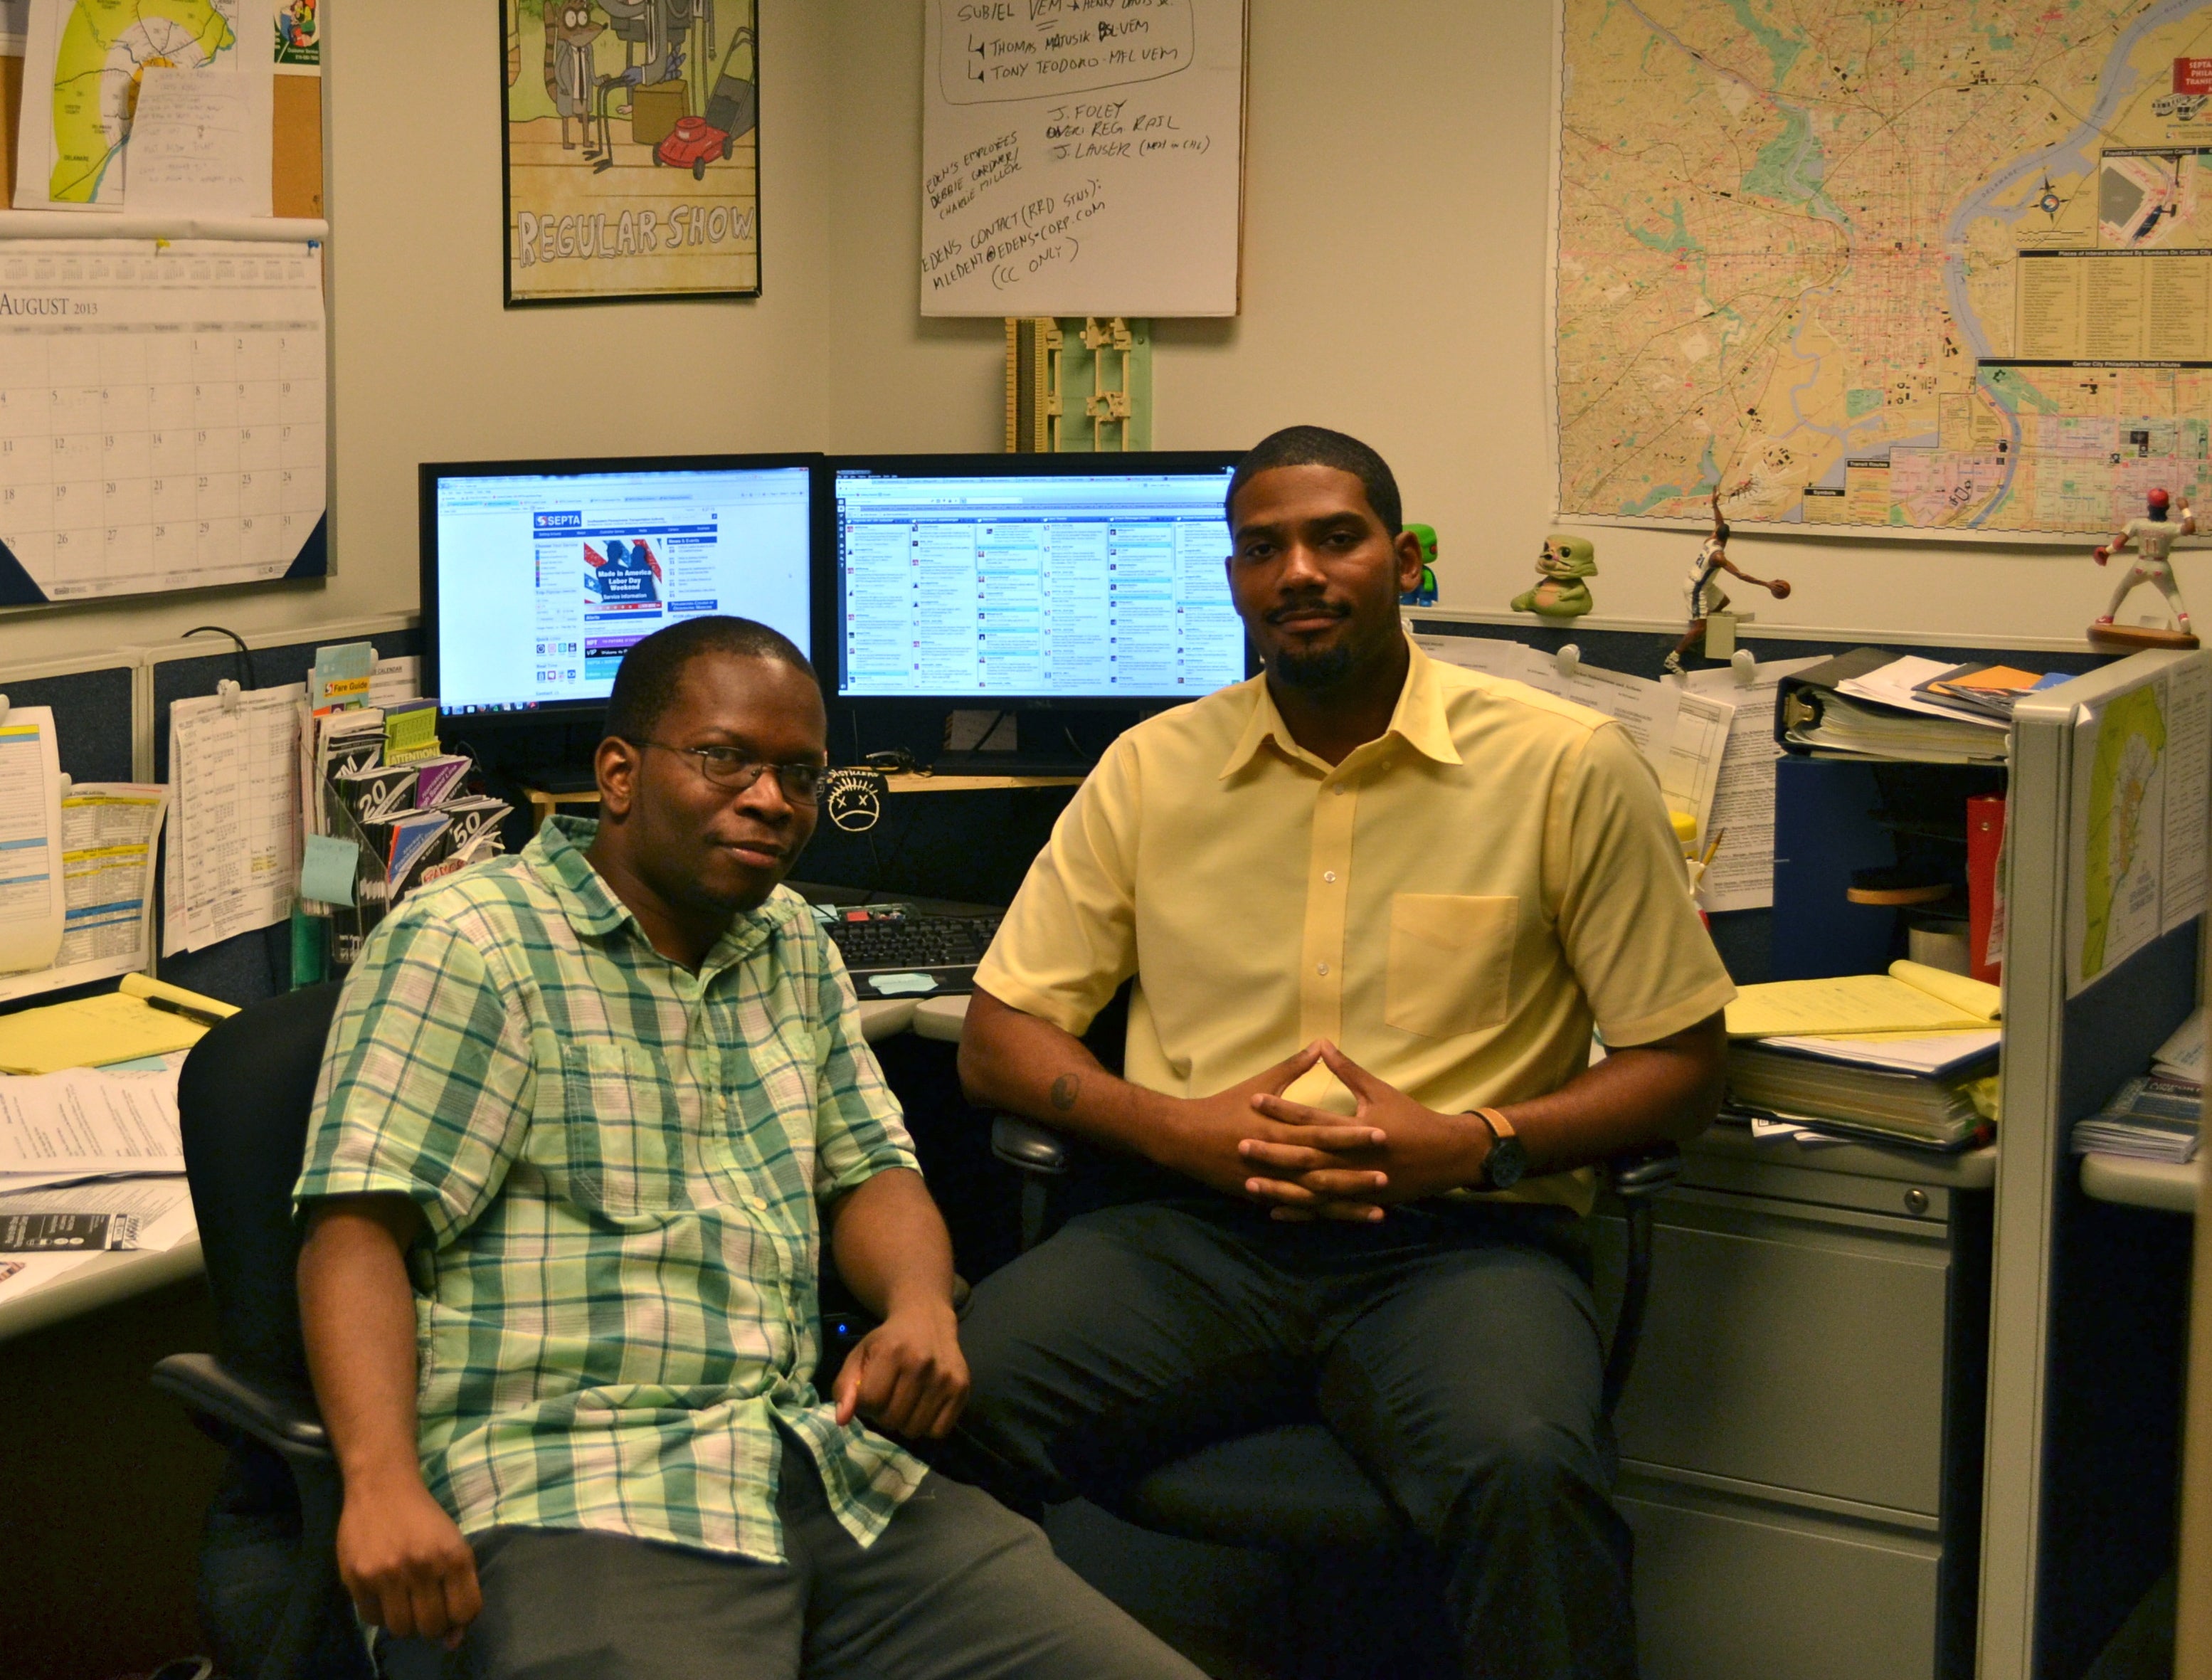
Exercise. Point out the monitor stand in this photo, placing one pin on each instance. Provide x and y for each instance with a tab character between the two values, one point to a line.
1014	763
561	778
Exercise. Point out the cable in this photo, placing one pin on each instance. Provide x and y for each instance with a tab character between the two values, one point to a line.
245	655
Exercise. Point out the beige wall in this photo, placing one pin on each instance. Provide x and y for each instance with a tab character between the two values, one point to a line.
1397	178
427	365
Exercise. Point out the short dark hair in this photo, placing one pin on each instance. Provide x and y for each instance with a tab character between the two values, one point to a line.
1317	446
646	681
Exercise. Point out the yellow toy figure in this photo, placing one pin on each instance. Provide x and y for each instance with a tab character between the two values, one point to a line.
2154	538
1564	562
1426	594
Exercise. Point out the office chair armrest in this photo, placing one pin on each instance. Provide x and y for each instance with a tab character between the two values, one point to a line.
285	1426
1028	1147
1640	1176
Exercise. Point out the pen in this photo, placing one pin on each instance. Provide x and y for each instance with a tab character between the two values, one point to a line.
1713	847
185	1009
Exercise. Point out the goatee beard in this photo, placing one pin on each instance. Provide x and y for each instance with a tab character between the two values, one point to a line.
1322	670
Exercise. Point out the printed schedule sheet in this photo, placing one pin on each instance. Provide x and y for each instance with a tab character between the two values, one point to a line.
161	416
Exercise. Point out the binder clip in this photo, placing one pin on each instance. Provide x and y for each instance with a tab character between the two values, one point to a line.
226	691
1567	659
68	781
1745	664
3	709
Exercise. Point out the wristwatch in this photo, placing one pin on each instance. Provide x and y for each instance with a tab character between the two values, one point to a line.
1507	1160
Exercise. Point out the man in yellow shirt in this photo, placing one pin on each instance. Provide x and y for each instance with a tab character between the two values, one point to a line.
1373	906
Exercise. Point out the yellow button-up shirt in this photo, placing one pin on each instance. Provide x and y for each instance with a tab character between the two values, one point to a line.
1454	905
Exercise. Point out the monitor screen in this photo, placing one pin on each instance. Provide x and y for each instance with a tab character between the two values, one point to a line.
1068	577
539	576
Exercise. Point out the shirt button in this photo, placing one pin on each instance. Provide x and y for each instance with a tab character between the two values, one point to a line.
1329	875
1321	968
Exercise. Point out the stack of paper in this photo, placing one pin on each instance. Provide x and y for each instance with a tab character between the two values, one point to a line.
1906	1057
2154	1115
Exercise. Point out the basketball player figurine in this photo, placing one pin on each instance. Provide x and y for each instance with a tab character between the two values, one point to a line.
1707	597
2154	538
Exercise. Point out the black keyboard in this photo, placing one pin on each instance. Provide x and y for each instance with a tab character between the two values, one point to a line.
883	944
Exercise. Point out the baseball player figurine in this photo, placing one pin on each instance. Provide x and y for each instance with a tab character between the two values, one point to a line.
1702	587
2153	538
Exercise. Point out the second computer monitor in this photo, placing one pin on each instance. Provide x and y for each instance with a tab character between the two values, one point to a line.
1060	577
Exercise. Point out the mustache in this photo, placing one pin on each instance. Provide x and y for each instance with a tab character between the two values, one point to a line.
1300	608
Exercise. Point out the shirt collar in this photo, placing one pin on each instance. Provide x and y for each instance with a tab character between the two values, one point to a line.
557	854
1417	719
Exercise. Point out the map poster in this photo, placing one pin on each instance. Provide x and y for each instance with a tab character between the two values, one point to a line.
633	144
1882	269
2143	777
82	68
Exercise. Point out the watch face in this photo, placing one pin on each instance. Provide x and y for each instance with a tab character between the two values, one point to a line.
1505	1163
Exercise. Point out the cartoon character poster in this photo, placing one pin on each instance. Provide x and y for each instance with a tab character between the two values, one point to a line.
632	149
298	33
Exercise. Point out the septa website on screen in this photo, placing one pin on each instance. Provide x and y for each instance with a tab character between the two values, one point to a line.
604	560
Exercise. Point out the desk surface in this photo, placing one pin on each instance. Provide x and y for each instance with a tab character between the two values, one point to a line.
2170	1186
107	1278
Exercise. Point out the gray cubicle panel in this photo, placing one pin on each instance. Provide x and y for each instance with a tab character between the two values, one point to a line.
91	718
2117	1339
258	964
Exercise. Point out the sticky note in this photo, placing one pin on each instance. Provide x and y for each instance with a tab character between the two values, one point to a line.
902	985
327	870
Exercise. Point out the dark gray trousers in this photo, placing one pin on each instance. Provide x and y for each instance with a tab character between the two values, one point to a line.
1454	1351
957	1588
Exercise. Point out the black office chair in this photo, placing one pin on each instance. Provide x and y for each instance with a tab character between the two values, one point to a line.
270	1598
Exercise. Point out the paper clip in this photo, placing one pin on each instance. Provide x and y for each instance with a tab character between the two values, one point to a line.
226	691
1569	660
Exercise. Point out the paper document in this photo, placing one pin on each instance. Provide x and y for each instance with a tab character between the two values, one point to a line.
1911	997
1741	875
394	680
201	144
81	63
110	831
116	1027
1903	1053
2182	1055
234	835
2136	852
162	1205
89	1121
1891	684
30	893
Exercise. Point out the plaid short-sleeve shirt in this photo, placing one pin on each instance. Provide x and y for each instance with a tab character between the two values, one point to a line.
620	1165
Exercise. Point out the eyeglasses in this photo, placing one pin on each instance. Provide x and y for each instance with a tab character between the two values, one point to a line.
730	767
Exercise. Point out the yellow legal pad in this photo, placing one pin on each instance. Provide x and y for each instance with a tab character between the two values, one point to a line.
1910	998
120	1025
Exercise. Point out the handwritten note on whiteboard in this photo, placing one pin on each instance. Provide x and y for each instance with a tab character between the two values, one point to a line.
1082	157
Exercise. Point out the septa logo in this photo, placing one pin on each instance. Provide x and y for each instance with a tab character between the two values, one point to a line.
2192	76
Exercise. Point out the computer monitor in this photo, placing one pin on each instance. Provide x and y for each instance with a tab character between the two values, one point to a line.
1013	579
538	576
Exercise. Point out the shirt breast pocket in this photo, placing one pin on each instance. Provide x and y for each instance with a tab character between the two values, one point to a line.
625	1148
1451	962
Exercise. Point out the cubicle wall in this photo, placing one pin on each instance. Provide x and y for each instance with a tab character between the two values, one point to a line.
2088	1301
112	715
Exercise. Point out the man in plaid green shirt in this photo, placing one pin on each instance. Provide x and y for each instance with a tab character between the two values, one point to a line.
584	1116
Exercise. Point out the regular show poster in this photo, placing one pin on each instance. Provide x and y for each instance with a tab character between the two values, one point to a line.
633	141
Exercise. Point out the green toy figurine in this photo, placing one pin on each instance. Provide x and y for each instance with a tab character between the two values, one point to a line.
1426	594
1564	562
